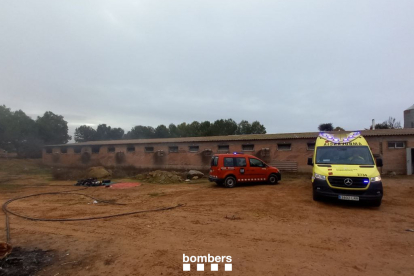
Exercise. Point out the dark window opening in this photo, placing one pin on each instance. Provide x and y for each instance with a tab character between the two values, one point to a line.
63	150
95	149
130	148
48	150
311	146
111	149
284	146
77	149
223	148
149	149
173	149
194	148
396	145
248	147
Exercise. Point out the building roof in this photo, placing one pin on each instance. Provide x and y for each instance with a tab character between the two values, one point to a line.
411	107
247	137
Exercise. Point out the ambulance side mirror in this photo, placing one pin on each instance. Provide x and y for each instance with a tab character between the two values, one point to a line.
310	162
379	162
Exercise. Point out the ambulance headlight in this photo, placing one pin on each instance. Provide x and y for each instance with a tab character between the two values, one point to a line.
319	176
376	179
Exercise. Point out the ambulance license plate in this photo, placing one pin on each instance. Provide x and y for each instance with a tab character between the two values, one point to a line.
353	198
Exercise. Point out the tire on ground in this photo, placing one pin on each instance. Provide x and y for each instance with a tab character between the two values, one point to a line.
376	203
273	179
230	182
316	197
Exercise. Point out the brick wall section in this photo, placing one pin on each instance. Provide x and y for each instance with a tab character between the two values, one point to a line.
394	159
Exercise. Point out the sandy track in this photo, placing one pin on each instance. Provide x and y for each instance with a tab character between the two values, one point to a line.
278	230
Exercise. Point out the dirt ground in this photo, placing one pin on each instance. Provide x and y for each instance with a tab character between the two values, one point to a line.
267	230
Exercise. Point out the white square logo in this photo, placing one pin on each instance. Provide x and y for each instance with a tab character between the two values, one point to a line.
214	267
200	267
186	267
228	267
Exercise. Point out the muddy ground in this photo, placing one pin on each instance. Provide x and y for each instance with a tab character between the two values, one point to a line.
267	230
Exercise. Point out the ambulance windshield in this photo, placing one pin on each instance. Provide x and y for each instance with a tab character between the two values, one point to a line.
344	155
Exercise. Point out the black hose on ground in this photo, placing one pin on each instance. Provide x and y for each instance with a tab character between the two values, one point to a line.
7	211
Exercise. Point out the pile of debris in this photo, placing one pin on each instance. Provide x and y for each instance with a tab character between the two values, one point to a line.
193	174
92	182
98	172
162	177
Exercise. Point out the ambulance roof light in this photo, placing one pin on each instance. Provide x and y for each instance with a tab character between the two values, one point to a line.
351	136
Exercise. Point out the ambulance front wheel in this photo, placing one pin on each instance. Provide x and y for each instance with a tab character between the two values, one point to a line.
230	182
376	203
316	197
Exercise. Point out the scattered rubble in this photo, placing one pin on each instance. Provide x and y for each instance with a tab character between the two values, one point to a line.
193	173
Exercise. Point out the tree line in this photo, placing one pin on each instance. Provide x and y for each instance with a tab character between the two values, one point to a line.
391	123
21	134
26	136
195	129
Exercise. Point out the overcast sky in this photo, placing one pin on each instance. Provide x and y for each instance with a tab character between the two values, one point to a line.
289	64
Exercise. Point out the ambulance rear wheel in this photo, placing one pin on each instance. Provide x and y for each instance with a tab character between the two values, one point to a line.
230	182
273	179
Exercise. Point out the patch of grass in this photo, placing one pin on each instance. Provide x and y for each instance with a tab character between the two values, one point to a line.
9	188
23	166
125	171
68	174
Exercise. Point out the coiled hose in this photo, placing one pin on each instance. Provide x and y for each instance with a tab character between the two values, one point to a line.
7	211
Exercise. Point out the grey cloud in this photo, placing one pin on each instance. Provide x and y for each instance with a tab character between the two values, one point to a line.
289	64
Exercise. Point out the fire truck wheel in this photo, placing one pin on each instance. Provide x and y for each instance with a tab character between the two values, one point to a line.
273	179
230	182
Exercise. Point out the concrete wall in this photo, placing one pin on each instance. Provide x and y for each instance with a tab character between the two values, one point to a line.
394	159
